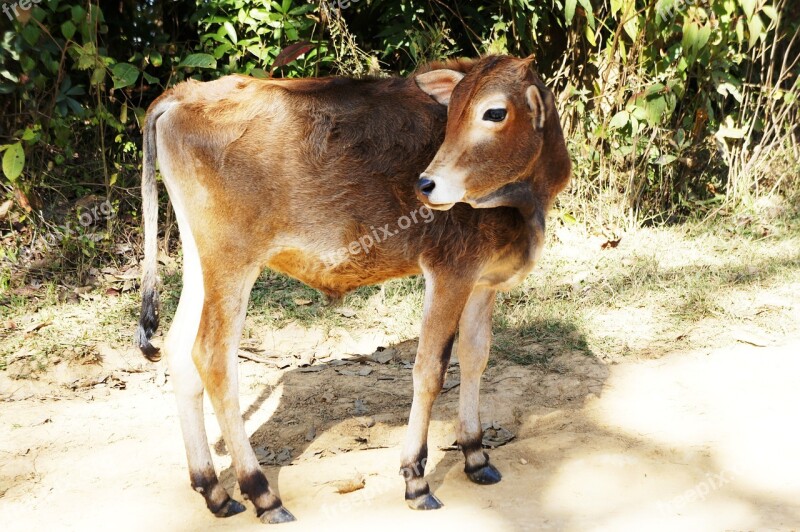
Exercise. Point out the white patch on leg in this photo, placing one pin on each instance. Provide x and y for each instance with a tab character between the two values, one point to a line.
186	382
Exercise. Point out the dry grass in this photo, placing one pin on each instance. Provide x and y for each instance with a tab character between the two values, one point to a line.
658	290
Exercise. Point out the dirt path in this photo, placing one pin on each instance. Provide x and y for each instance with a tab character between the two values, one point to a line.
690	441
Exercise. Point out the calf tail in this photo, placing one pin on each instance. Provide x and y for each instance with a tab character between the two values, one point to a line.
148	319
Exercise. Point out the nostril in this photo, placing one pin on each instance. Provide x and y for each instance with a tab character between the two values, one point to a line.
426	186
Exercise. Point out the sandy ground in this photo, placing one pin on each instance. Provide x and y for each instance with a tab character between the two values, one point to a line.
690	441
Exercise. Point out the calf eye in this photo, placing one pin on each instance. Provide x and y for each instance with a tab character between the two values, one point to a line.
495	115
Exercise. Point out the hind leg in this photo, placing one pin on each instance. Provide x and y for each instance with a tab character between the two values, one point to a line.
214	354
188	388
189	397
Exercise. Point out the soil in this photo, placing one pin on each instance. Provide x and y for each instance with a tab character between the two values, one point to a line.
698	440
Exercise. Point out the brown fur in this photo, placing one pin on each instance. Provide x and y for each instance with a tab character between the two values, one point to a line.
282	173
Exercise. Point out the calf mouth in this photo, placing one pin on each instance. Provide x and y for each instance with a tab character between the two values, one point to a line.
425	188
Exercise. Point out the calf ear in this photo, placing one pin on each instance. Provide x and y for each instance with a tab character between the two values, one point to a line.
439	83
537	105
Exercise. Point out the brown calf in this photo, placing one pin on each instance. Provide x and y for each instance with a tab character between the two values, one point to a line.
294	175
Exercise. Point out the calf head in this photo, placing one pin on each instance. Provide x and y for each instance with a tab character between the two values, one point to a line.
503	144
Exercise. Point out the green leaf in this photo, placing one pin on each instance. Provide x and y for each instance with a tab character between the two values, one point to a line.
29	134
771	12
231	31
199	61
39	14
78	14
680	136
75	91
222	49
619	120
74	106
587	7
68	29
86	56
589	32
690	30
655	108
98	75
756	29
155	59
569	10
731	132
654	89
703	35
303	9
13	161
259	15
124	75
665	159
749	7
638	111
9	76
31	34
665	9
726	89
631	26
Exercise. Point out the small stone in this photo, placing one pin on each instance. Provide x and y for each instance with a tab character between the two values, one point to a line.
306	359
311	434
346	312
383	356
350	485
327	397
359	408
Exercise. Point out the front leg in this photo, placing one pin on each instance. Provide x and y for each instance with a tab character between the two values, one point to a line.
474	341
445	296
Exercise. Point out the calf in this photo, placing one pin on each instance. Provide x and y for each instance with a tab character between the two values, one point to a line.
294	175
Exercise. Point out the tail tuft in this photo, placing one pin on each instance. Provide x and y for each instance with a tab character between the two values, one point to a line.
148	323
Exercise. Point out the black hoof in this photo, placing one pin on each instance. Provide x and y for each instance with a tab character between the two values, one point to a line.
425	502
488	474
276	516
232	507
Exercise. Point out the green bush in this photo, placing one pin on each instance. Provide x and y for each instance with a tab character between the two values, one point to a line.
671	106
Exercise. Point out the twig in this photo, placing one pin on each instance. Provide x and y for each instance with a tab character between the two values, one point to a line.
255	358
506	378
